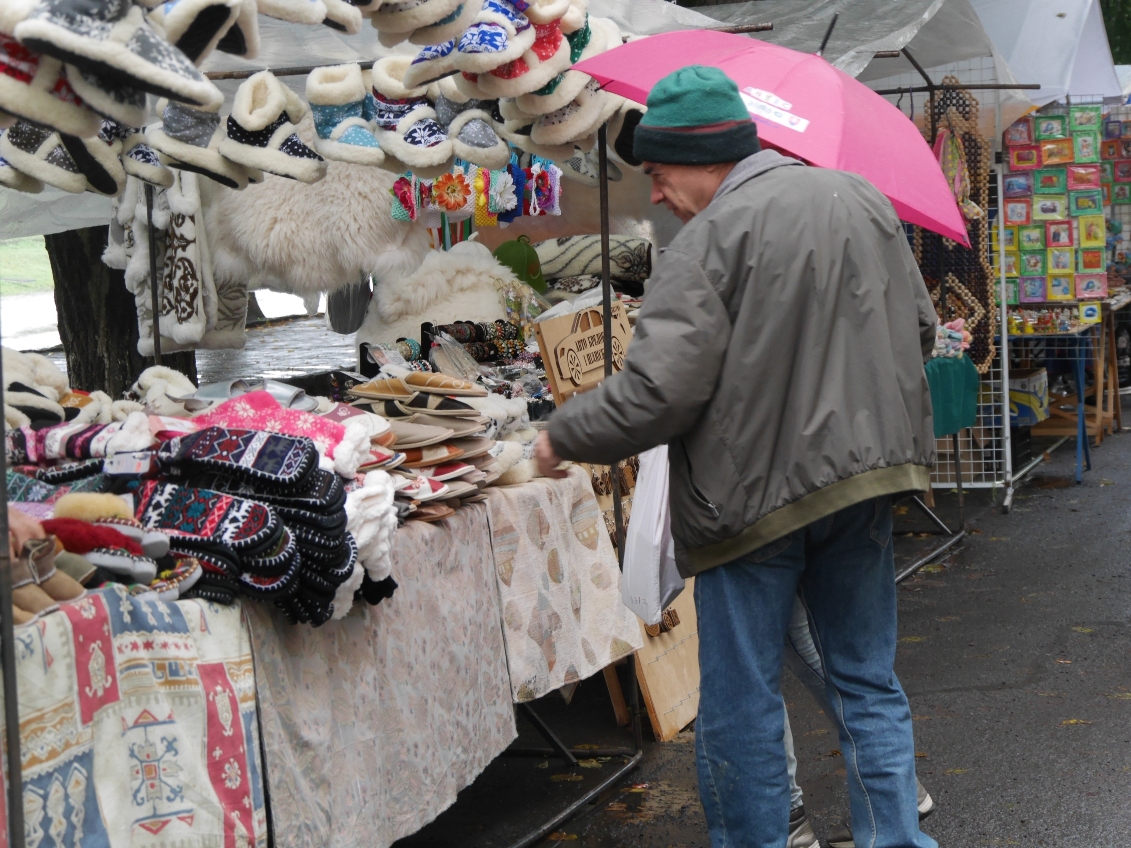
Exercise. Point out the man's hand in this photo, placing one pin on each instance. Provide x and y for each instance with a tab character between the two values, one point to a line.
547	458
21	528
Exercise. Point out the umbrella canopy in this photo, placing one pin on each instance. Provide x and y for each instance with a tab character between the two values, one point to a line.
805	107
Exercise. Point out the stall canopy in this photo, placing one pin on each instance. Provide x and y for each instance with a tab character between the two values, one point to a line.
1061	44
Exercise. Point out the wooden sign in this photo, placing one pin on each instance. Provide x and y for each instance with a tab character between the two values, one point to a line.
573	349
668	669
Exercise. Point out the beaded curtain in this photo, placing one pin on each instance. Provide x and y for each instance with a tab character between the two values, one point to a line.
969	276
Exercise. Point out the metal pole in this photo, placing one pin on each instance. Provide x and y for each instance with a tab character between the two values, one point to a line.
828	35
8	658
1003	351
154	283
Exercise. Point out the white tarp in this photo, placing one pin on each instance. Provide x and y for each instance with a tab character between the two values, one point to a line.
1061	44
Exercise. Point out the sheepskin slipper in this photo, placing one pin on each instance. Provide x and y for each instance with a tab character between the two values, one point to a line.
519	134
474	140
243	37
39	152
575	16
501	34
12	12
573	121
342	16
433	63
295	11
417	139
109	98
261	131
189	139
13	179
622	129
450	27
36	88
593	39
549	57
6	120
409	15
141	161
546	11
195	27
337	99
112	38
98	160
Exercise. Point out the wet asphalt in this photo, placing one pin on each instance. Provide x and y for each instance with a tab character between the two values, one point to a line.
1015	652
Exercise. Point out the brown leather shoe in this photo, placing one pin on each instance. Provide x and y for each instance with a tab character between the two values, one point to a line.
40	555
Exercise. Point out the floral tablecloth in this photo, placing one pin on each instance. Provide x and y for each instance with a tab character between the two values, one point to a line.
137	726
375	722
559	584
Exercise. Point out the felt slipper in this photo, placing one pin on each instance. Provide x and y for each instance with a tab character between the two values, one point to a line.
385	440
114	39
420	488
461	427
442	384
546	58
262	134
141	161
382	458
242	38
342	17
288	396
195	27
392	388
501	34
410	15
433	404
593	39
432	63
411	436
18	180
295	11
173	582
461	489
39	152
207	394
432	512
474	139
472	447
98	160
109	98
36	88
449	27
407	129
76	567
189	139
435	455
446	471
337	99
154	544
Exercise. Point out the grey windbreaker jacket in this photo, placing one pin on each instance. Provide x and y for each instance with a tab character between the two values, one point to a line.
779	354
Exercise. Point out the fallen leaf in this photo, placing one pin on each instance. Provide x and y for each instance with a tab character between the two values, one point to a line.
569	778
543	764
1071	721
589	764
562	837
1049	694
1105	482
999	538
618	807
586	746
921	718
900	510
949	618
835	752
1121	696
932	569
1065	662
955	771
913	639
975	531
1083	630
921	755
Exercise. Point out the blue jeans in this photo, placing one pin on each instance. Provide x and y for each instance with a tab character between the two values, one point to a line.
843	568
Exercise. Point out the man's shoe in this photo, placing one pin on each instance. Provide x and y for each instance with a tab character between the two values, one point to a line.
801	833
926	802
842	835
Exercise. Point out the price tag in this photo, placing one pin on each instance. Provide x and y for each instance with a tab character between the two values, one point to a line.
137	464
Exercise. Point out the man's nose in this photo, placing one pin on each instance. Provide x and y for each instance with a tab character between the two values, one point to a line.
657	195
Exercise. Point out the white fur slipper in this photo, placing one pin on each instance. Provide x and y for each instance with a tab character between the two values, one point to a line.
195	27
474	140
13	179
35	87
409	15
342	16
435	62
546	11
575	16
243	37
519	134
39	153
141	161
572	121
549	57
591	40
98	160
388	80
337	99
450	27
6	120
417	139
12	12
261	131
110	99
114	39
295	11
500	34
189	139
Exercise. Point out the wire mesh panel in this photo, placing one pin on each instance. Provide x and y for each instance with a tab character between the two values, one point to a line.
981	448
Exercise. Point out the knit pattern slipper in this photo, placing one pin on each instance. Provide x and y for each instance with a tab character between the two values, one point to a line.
36	88
546	58
189	139
39	153
410	15
249	455
338	100
449	27
500	34
97	158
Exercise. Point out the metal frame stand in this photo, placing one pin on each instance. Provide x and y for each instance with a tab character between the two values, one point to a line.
955	537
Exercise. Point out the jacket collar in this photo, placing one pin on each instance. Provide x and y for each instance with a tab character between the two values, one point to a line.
752	166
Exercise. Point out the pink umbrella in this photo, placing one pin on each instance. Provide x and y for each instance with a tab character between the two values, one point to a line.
805	107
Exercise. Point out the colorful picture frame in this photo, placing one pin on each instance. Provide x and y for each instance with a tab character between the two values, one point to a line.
1032	289
1061	260
1046	208
1018	185
1025	157
1090	313
1050	126
1110	149
1057	151
1124	148
1086	147
1127	129
1093	230
1010	237
1087	202
1113	129
1121	194
1084	176
1088	117
1018	212
1012	263
1050	181
1091	286
1033	263
1105	190
1107	170
1091	260
1012	291
1121	171
1031	237
1061	287
1020	132
1058	234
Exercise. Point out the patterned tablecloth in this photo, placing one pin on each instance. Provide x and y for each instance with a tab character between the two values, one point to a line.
137	726
559	584
375	722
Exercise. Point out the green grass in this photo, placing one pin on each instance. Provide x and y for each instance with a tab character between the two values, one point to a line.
24	266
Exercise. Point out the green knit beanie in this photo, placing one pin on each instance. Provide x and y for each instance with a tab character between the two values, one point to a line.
695	117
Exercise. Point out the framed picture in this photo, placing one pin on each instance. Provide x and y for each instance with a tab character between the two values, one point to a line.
1012	263
1021	132
1061	287
1024	157
1018	185
1093	230
1050	181
1091	260
1019	212
1085	118
1058	234
1127	129
1032	237
1121	194
1091	286
1110	149
1033	263
1011	291
1031	290
1090	313
1061	260
1112	129
1107	170
1010	238
1124	148
1087	202
1105	190
1051	126
1057	151
1046	208
1121	170
1084	176
1086	147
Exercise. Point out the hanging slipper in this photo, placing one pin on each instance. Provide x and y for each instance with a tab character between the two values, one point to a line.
501	34
337	99
98	160
432	63
449	27
576	17
295	11
572	121
195	27
6	120
405	16
518	132
342	17
36	88
109	98
113	39
141	161
548	57
470	124
13	179
12	12
594	38
243	38
622	130
261	131
39	152
406	124
189	140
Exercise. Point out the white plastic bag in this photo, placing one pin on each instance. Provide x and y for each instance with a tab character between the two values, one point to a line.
650	581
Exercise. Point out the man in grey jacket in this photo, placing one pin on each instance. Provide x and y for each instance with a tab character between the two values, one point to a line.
779	354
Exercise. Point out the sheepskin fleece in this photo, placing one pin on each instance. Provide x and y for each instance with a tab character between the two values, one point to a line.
461	284
304	239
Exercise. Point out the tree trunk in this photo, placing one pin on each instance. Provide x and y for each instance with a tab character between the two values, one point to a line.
97	316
